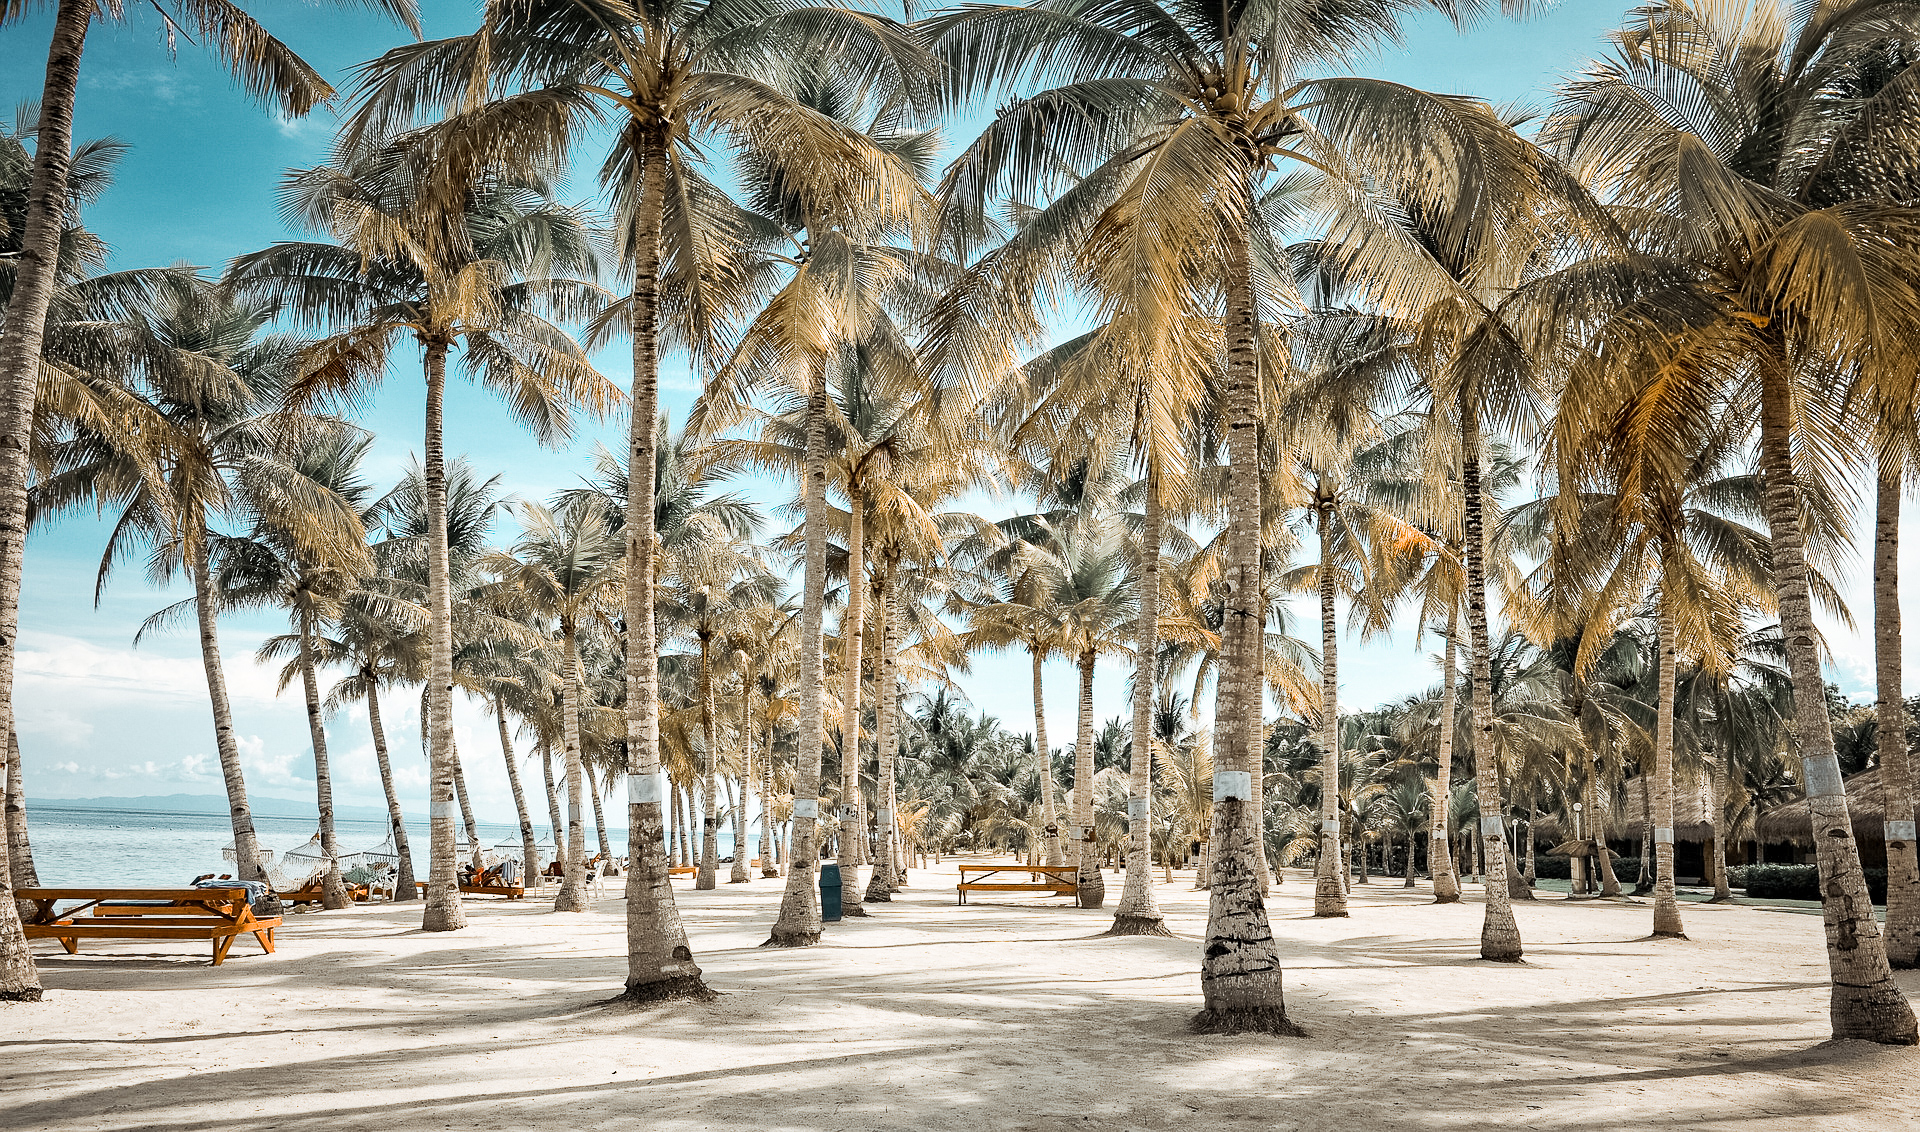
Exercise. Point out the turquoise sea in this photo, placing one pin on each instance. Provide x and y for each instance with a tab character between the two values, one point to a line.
77	846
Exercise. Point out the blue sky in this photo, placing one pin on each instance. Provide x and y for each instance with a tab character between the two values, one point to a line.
98	717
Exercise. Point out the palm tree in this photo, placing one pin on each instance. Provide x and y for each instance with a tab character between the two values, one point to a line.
267	567
674	81
1744	194
481	276
270	72
566	566
208	380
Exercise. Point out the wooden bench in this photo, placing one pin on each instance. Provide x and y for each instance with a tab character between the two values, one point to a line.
1055	880
682	870
510	891
218	915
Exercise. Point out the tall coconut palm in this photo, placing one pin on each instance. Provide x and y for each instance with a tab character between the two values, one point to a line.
566	566
1157	147
272	73
218	450
481	277
266	567
674	80
1780	275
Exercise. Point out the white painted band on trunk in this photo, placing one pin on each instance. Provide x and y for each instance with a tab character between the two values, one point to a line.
448	809
806	808
1900	830
1330	825
1137	808
1237	784
1823	777
644	790
1490	826
1662	835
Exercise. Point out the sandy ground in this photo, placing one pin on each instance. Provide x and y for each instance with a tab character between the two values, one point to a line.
928	1016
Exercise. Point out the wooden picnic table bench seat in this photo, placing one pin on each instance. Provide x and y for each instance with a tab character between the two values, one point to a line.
218	915
682	870
1056	880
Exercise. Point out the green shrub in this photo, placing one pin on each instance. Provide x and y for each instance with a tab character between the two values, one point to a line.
1552	868
1800	882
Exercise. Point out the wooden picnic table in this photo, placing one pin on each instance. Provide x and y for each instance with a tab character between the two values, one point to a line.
218	915
1057	880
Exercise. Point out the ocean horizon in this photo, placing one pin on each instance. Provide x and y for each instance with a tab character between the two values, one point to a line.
80	846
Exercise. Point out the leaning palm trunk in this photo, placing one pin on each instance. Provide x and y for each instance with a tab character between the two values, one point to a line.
1866	1003
529	846
886	865
1139	913
659	963
572	896
1722	890
739	875
246	847
19	980
769	845
1597	833
1499	933
1240	977
1666	905
553	806
799	922
19	846
333	891
1446	883
443	912
1049	821
705	879
599	820
1329	894
20	338
404	884
467	819
1896	785
853	631
1092	887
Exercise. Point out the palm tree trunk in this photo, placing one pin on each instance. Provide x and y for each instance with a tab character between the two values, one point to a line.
659	961
1644	884
799	922
1499	933
739	874
887	866
553	805
404	883
1722	890
443	911
599	819
246	846
769	844
19	845
1240	977
529	847
1139	912
1409	878
333	891
710	814
1896	783
1666	905
1866	1002
24	326
1597	833
572	896
1049	820
853	632
1329	896
1092	886
19	979
474	848
1446	883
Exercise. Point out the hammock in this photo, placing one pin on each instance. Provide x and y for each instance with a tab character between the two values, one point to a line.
513	849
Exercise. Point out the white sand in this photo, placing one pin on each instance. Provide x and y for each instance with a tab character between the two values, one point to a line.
927	1016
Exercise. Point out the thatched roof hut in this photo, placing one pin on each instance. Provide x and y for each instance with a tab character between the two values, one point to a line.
1692	812
1792	821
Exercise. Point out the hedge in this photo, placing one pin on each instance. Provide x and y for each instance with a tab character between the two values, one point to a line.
1799	882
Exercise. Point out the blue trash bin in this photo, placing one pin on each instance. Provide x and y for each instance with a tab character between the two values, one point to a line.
830	893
